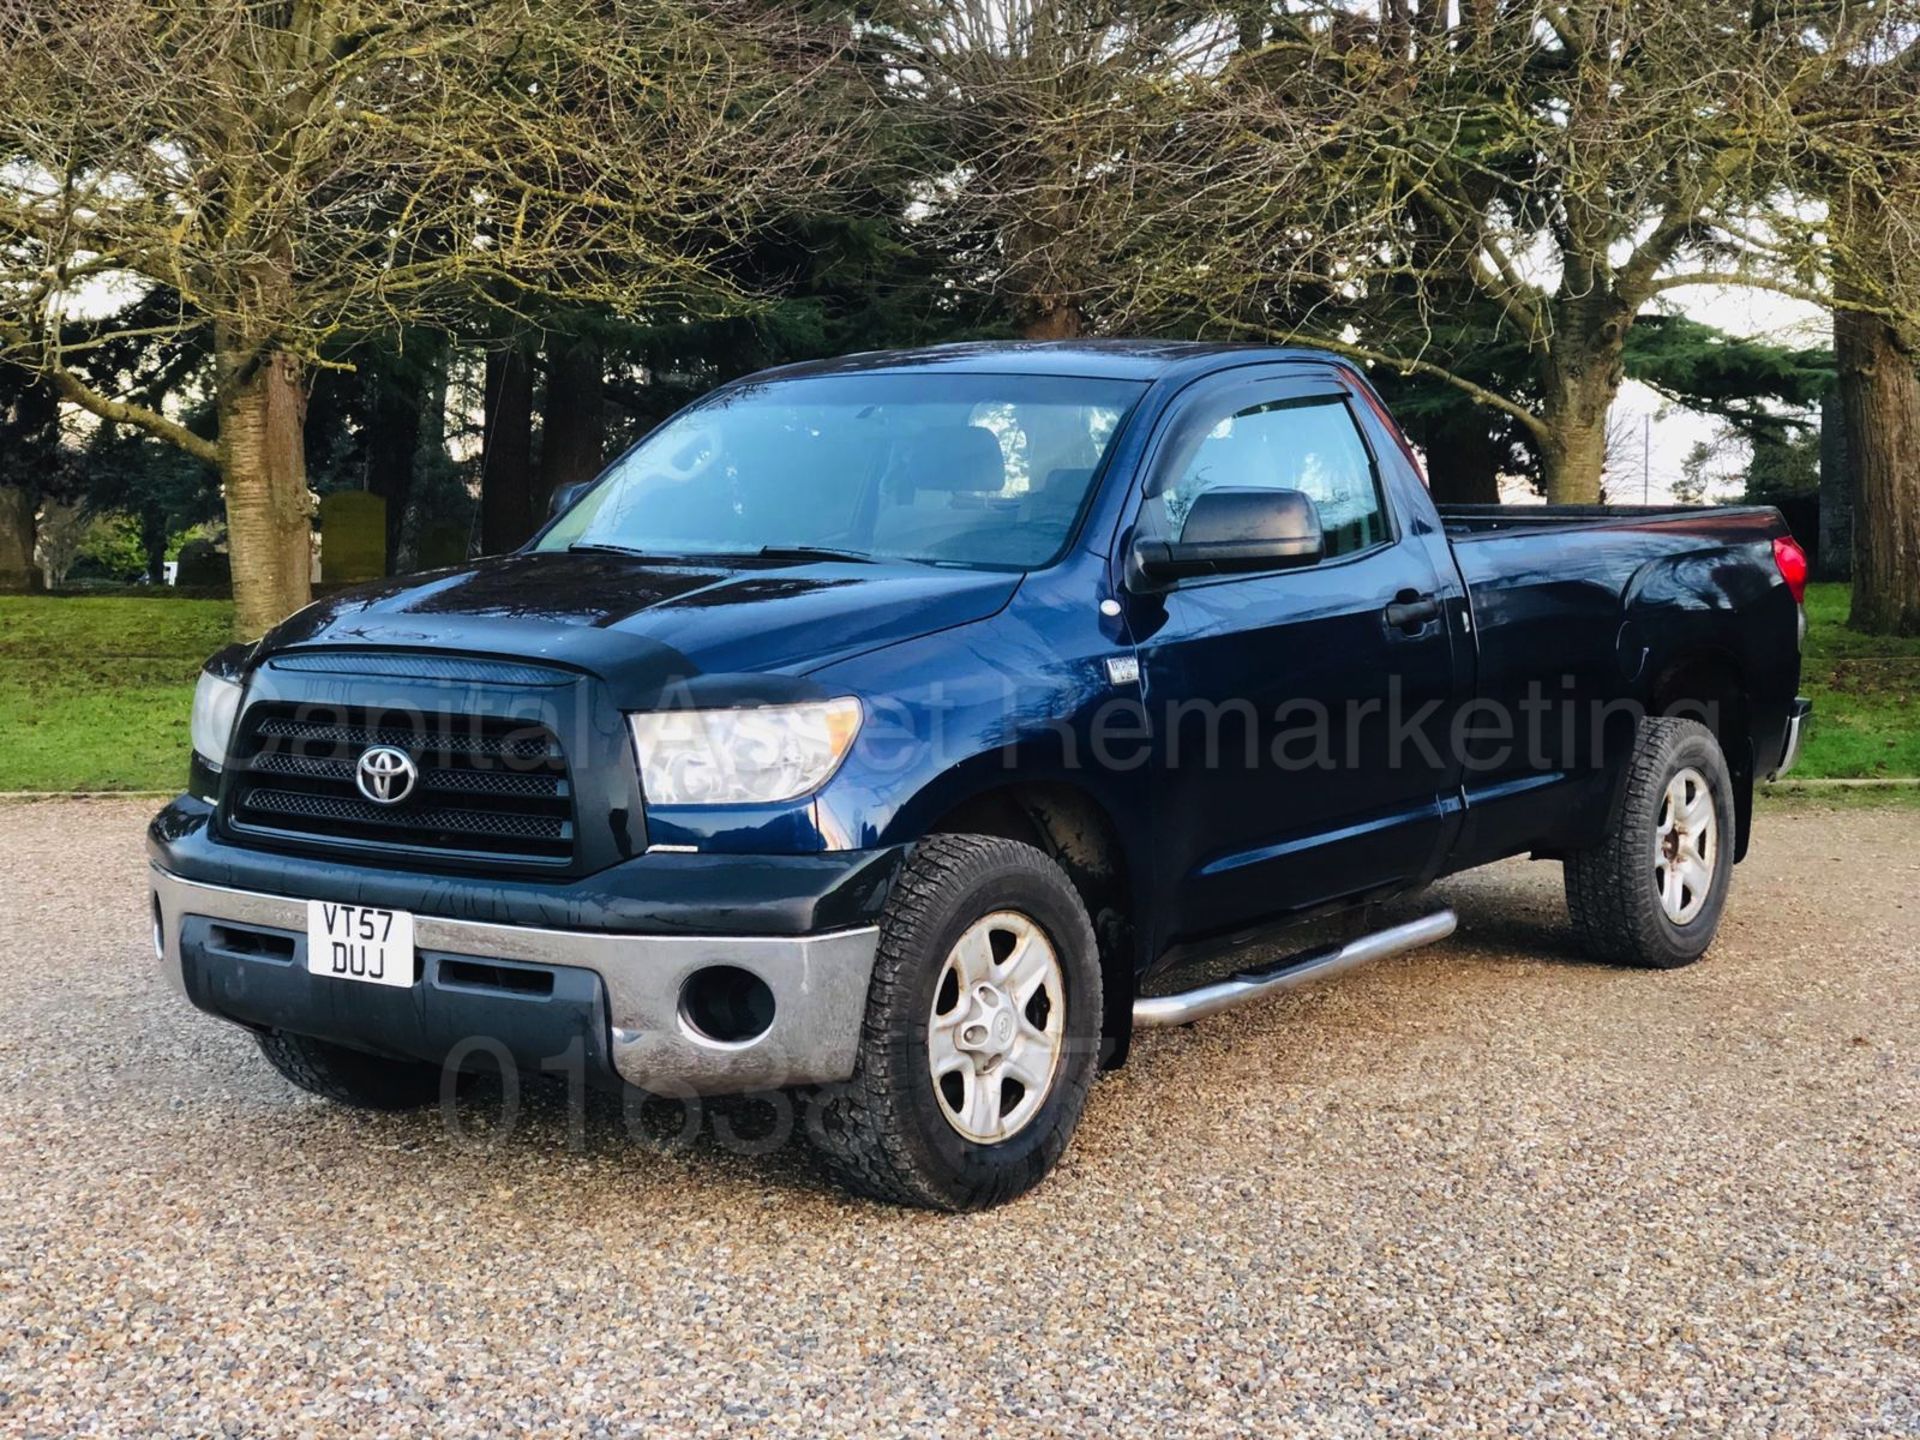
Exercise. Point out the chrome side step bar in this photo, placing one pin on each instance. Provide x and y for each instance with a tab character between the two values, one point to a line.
1237	990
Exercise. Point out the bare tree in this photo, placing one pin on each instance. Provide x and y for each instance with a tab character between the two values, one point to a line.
1046	124
305	172
62	534
1867	164
1876	345
1565	165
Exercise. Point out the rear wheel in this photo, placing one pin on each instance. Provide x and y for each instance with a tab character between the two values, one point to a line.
1652	892
981	1036
350	1077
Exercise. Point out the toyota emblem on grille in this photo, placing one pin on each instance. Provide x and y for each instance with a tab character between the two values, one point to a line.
385	775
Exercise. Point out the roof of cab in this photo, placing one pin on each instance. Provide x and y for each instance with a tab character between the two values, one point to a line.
1105	359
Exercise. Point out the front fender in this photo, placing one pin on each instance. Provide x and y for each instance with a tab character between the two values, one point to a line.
1020	699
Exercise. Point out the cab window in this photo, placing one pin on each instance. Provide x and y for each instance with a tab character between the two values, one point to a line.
1306	443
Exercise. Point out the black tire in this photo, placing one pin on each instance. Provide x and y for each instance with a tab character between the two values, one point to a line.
350	1077
1613	891
884	1133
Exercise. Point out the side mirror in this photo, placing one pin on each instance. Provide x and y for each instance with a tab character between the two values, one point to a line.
1234	532
564	496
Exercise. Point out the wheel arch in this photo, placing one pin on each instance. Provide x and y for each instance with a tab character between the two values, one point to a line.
1697	621
1071	825
1707	684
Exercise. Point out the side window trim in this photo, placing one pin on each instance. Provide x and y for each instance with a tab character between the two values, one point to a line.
1390	518
1241	393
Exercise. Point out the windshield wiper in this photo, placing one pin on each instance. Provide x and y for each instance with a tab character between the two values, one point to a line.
813	552
709	557
600	547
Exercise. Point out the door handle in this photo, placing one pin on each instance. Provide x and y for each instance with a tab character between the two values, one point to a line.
1411	611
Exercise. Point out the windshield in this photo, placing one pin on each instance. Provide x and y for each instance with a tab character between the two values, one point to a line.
976	470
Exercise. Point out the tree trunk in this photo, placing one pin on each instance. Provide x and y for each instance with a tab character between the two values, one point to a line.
17	509
1463	464
1055	319
1580	380
1880	394
506	452
1880	399
401	389
153	543
262	404
573	422
430	461
29	445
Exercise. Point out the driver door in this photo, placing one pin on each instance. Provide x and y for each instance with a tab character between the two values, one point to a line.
1284	775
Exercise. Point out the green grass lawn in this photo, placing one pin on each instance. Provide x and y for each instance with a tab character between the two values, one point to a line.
1866	696
94	691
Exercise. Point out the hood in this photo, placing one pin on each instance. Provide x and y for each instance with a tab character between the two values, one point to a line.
639	624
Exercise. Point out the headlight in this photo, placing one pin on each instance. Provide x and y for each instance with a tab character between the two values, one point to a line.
216	702
742	757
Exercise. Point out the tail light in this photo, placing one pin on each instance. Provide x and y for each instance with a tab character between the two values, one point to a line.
1792	561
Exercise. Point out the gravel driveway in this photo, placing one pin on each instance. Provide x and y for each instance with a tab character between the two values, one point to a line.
1484	1187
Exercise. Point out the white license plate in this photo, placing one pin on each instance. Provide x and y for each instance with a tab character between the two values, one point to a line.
359	942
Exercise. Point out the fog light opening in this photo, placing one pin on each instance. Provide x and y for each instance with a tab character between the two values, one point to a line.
726	1005
159	931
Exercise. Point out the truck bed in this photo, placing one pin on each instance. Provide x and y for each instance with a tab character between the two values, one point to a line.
1466	521
1599	603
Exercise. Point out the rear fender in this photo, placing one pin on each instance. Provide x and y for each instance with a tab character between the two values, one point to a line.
1700	640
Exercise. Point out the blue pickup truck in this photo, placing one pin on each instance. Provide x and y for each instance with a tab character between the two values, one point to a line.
902	732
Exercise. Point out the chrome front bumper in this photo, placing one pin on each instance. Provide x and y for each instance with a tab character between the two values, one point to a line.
819	985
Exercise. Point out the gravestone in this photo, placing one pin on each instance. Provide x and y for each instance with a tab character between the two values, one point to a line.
353	536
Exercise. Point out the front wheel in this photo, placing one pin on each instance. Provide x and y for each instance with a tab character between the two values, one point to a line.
1651	893
981	1036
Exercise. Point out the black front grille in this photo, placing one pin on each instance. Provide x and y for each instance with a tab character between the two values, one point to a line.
487	787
